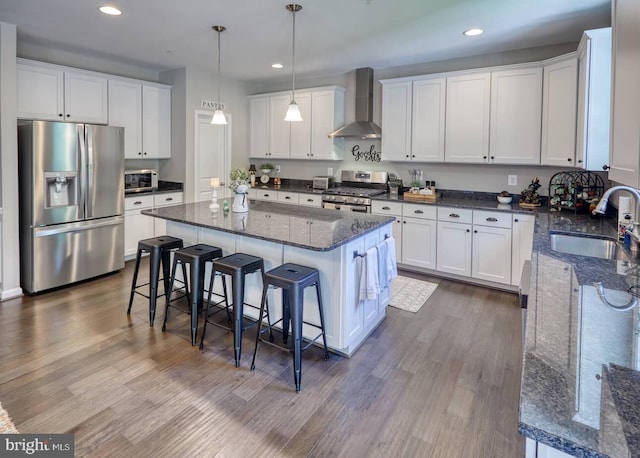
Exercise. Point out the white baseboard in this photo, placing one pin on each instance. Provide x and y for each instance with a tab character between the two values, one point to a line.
10	293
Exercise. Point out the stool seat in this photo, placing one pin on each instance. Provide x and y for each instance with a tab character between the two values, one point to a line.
238	266
159	249
196	256
292	279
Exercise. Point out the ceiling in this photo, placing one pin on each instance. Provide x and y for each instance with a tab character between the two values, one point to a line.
332	36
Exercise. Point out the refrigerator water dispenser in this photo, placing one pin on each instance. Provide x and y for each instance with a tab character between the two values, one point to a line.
61	189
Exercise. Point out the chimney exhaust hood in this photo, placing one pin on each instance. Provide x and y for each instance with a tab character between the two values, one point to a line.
363	127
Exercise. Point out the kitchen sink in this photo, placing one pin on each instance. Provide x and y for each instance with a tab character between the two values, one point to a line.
605	248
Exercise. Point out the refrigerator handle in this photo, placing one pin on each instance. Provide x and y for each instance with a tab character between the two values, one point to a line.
82	150
89	178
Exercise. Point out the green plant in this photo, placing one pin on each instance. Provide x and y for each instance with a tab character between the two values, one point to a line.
267	166
237	177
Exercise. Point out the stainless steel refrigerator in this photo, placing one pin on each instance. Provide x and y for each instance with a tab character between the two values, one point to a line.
71	202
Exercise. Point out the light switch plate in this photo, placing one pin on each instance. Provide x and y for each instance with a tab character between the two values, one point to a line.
513	180
277	168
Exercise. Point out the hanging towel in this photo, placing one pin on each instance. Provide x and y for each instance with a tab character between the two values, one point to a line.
392	268
383	278
369	285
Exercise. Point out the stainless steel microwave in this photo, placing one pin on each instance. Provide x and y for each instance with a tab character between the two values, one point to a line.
140	180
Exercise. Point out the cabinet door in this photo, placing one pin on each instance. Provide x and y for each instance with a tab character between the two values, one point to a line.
125	110
136	227
453	254
467	118
156	122
516	111
419	242
259	127
559	111
310	200
301	131
396	121
327	114
427	121
279	129
85	98
521	244
491	258
40	92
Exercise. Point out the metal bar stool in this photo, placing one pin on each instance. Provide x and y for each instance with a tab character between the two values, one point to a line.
293	279
238	266
159	249
196	257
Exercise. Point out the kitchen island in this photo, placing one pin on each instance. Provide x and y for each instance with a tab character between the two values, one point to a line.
580	393
328	240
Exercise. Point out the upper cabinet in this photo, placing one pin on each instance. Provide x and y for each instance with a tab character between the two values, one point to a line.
559	111
625	105
594	99
52	93
467	118
144	110
413	119
516	108
270	136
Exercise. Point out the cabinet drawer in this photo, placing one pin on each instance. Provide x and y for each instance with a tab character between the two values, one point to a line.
310	200
138	202
419	211
494	219
170	198
386	208
456	215
262	194
288	197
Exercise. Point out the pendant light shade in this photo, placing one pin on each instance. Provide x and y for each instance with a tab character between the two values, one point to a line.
218	115
293	112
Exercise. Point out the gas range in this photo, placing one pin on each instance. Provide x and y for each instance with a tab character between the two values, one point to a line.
356	190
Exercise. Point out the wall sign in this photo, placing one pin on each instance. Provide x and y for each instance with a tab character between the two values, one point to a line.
208	104
371	155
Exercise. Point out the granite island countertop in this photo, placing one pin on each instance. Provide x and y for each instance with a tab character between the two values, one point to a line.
316	229
580	385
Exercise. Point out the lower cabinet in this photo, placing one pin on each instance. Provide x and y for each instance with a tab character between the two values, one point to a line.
454	248
419	235
521	244
138	226
491	254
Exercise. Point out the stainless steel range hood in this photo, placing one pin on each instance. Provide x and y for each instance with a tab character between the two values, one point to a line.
363	127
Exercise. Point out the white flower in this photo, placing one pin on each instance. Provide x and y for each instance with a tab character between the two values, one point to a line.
239	180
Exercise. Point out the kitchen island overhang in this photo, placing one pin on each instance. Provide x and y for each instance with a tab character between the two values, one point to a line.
328	240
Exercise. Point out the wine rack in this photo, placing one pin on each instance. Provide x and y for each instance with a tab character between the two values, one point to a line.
575	191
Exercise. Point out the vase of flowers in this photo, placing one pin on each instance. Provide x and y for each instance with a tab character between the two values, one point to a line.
239	184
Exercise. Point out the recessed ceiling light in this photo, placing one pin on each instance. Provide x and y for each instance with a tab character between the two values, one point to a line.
277	65
110	10
472	32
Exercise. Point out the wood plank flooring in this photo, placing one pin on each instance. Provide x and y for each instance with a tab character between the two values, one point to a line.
443	382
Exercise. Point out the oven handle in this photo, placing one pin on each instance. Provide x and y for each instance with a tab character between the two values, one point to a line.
360	209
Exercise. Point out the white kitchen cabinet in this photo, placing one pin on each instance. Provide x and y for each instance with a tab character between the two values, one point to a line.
419	235
428	119
521	244
54	93
594	99
396	120
491	246
144	110
467	118
516	111
310	200
559	111
379	207
534	449
270	136
164	200
136	225
287	197
453	252
624	157
264	194
259	126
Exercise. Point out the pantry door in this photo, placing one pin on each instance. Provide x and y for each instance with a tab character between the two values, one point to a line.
212	155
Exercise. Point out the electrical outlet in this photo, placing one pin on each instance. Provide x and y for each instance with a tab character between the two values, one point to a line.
277	168
330	171
513	180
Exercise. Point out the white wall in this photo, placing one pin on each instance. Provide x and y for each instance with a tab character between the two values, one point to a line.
9	252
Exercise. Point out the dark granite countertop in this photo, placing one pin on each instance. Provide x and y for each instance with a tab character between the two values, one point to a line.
311	228
580	384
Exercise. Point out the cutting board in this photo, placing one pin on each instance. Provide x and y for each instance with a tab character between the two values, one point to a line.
419	197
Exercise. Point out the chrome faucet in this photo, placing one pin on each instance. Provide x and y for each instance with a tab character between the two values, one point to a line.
602	206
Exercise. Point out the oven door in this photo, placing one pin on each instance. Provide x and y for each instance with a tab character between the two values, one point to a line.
347	207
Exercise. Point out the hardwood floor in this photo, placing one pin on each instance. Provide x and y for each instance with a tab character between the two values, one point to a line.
443	382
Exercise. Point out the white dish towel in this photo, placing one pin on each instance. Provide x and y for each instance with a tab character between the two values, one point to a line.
369	284
392	267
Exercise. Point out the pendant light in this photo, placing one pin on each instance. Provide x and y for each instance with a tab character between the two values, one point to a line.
218	115
293	112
